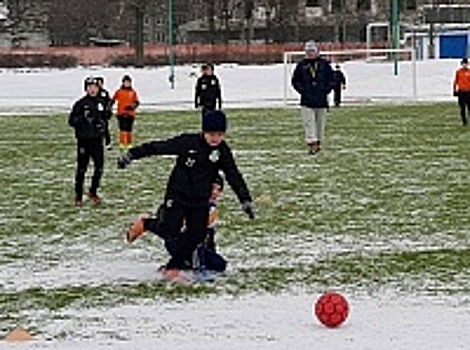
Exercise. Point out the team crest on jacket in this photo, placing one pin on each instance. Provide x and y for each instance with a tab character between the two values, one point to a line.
100	107
214	156
190	162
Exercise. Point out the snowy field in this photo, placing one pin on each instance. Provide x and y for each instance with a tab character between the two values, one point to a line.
264	322
33	91
388	319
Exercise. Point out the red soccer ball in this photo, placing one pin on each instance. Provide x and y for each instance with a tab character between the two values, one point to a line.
331	309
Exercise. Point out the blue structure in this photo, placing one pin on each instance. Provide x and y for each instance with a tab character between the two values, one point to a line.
454	44
448	43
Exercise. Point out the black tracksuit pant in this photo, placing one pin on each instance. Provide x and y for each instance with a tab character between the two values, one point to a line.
174	215
87	149
107	135
464	104
337	96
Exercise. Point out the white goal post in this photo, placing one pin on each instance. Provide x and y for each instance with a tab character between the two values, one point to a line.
365	56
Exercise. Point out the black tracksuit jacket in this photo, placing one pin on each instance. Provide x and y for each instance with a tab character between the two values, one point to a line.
88	118
197	165
208	93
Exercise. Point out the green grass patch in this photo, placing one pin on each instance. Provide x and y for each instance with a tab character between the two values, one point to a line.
385	204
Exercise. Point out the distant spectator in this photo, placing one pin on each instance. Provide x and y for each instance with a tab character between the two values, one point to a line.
462	89
340	84
313	80
208	92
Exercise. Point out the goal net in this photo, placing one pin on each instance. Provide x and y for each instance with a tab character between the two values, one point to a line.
372	75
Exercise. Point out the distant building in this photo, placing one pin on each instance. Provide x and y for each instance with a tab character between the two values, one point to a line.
324	20
28	23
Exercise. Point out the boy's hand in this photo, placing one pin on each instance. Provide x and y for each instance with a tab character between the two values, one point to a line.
124	160
249	209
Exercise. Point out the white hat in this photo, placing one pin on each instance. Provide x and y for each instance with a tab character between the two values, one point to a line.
311	46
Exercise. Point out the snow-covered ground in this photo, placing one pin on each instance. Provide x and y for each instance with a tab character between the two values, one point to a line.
266	322
263	322
384	321
33	91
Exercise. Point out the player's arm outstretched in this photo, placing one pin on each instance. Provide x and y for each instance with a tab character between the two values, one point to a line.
171	146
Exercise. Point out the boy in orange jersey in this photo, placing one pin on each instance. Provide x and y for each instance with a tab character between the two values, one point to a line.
127	103
462	89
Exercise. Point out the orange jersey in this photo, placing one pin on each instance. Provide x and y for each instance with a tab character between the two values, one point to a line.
462	80
127	101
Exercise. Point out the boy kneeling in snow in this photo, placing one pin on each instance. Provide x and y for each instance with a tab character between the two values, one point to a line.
205	256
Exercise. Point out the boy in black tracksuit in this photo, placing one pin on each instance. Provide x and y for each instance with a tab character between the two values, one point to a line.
88	118
104	95
339	85
200	156
205	257
208	93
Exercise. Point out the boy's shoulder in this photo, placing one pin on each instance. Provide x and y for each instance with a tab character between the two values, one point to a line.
85	99
190	135
104	93
78	101
118	91
224	145
188	139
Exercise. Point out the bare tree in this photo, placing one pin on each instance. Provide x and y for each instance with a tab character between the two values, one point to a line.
285	20
139	8
74	22
210	13
17	19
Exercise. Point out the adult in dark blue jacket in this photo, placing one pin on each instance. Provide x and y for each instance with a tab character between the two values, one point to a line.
313	80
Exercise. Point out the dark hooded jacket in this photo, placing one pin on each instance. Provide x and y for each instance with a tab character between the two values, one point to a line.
313	80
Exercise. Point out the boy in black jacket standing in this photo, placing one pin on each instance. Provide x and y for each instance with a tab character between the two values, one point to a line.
200	156
208	93
88	118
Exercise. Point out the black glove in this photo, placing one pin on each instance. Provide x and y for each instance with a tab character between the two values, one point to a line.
124	160
249	209
456	93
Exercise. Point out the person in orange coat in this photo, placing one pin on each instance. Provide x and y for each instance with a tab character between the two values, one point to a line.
462	89
127	103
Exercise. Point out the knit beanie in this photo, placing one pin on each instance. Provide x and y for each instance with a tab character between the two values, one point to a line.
311	46
214	121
